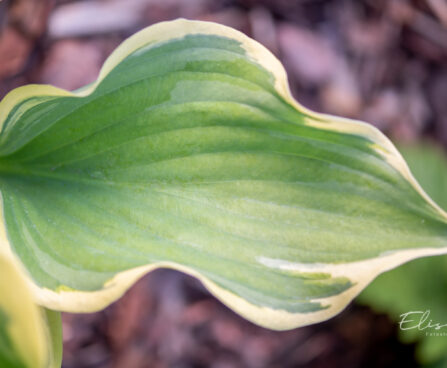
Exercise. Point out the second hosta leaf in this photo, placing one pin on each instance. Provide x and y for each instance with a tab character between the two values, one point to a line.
190	153
30	337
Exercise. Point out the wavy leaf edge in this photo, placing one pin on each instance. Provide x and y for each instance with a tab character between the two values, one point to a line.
360	272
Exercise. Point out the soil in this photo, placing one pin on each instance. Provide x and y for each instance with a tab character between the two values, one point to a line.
382	61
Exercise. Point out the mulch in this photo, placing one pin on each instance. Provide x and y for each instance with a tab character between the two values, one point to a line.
382	61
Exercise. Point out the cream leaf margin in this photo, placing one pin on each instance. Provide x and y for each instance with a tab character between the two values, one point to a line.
361	273
30	336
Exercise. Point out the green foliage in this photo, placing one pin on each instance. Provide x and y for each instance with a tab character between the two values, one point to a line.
30	337
189	152
421	284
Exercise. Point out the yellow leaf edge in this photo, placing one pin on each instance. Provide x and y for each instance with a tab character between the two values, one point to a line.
361	273
35	332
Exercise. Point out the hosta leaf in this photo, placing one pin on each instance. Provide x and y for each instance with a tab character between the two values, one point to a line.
419	285
30	336
189	152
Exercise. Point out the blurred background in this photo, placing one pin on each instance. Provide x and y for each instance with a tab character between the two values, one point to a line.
382	61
